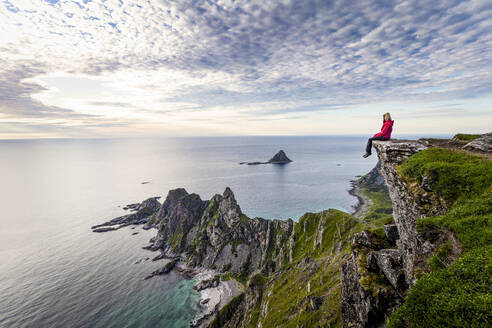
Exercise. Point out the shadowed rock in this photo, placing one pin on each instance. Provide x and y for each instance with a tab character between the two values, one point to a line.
278	158
144	210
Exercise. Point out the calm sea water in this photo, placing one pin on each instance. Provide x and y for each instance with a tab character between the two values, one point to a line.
54	272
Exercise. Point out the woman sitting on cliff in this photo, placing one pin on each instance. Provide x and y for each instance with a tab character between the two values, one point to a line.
385	133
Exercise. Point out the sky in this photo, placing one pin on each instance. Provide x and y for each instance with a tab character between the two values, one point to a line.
116	68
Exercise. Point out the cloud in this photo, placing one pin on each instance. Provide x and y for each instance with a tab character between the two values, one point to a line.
171	61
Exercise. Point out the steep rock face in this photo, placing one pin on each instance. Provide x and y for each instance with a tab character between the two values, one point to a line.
373	177
368	278
406	209
216	234
305	289
381	269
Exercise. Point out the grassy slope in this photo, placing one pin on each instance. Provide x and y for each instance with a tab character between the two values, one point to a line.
289	301
458	295
285	292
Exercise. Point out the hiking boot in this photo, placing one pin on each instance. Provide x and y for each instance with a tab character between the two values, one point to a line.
366	155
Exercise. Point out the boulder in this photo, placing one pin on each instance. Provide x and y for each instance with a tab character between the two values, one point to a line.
482	144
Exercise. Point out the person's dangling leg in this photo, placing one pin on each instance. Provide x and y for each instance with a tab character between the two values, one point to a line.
369	146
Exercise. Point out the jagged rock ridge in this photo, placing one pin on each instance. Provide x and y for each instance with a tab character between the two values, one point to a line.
144	211
216	234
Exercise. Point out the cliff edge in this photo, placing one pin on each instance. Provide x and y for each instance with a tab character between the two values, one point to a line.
433	191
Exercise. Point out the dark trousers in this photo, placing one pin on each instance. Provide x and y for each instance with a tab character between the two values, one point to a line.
369	143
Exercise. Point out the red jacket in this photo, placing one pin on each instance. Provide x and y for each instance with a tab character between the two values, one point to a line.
386	129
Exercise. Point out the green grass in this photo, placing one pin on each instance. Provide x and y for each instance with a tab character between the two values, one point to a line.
457	295
288	297
285	292
466	137
438	261
452	175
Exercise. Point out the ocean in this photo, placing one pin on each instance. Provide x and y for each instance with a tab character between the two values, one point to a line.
55	272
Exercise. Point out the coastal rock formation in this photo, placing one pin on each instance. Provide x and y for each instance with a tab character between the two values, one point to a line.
406	208
278	158
216	234
381	276
368	278
304	290
144	210
382	267
327	269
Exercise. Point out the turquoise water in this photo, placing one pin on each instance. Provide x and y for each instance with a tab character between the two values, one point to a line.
54	272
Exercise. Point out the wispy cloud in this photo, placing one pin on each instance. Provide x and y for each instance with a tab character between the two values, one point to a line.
223	62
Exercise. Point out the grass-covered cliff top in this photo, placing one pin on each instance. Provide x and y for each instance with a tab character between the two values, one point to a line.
466	137
460	294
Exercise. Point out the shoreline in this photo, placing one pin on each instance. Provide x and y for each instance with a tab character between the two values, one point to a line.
213	292
213	298
363	203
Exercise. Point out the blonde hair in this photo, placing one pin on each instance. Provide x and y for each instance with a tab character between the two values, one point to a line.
387	117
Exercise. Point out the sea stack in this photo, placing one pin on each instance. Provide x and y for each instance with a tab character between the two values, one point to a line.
280	158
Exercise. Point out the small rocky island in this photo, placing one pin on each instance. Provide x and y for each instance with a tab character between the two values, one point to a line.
278	158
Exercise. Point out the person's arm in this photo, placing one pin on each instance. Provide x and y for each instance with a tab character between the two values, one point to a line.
384	129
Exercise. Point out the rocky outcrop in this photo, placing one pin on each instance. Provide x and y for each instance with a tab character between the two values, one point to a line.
369	277
482	144
390	263
278	158
381	268
216	234
406	208
164	270
144	210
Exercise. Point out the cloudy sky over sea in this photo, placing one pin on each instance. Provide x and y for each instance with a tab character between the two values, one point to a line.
155	67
